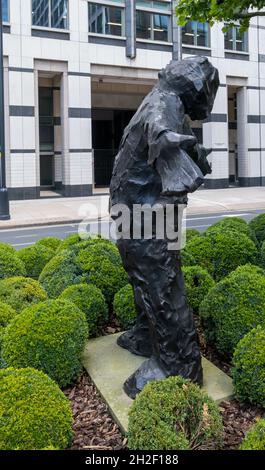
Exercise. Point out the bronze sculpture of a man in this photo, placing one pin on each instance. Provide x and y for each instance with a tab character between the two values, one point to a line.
160	161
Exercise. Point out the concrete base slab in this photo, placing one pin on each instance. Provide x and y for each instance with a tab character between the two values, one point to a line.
109	366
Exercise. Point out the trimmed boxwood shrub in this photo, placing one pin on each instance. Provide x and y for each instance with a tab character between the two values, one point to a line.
173	414
222	253
49	336
249	367
191	233
255	437
257	225
102	263
7	247
52	243
34	413
262	254
230	224
198	282
201	251
10	264
6	315
20	292
187	259
124	307
233	307
68	242
231	250
35	257
94	261
90	300
61	272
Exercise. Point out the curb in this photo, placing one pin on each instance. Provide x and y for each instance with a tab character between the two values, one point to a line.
48	223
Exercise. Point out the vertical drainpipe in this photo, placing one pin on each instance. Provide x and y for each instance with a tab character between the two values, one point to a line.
176	34
130	28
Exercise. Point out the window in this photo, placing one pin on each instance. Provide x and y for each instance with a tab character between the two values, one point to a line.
235	40
196	34
104	19
162	5
152	26
50	13
5	10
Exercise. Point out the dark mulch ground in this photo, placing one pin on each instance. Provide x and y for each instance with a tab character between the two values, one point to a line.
95	429
93	426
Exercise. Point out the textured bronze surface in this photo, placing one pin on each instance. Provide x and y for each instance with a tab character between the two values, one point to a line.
160	161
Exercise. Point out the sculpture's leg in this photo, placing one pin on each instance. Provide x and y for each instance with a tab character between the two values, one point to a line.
137	340
175	346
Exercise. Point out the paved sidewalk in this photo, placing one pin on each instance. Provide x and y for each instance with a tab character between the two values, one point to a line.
70	210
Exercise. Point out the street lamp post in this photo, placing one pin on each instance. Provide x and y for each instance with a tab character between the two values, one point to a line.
4	201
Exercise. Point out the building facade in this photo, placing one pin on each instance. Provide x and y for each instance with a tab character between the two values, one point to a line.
75	71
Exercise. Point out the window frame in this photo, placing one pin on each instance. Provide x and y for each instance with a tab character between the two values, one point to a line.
234	50
152	13
51	28
195	37
107	3
8	13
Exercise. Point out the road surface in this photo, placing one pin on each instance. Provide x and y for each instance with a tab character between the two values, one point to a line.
23	237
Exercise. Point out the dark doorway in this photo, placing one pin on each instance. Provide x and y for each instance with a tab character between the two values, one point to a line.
107	129
46	131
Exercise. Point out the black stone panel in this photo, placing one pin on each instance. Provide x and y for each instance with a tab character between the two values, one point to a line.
16	194
77	190
43	33
250	181
236	56
216	183
196	51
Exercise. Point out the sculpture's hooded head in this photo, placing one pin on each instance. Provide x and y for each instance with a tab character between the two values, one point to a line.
195	81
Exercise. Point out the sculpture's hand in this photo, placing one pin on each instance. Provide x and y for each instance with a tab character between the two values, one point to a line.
168	140
172	139
179	173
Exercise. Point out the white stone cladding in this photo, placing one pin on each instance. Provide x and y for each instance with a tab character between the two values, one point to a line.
76	68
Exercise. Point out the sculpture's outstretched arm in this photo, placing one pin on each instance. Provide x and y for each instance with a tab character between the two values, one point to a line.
169	156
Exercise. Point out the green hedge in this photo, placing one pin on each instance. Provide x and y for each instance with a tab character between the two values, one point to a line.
7	247
257	225
173	414
222	253
124	307
90	300
35	257
60	273
191	233
95	261
104	269
187	259
255	437
198	282
249	367
49	336
68	242
34	413
10	264
6	315
200	249
20	292
233	307
53	243
230	224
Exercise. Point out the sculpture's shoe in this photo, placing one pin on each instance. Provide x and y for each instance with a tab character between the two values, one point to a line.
138	345
151	370
148	371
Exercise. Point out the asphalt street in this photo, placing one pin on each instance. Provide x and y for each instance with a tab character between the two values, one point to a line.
22	237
